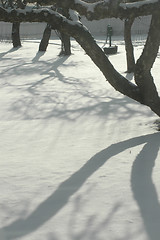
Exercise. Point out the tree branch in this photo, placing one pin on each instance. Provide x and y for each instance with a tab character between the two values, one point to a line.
106	8
83	37
116	9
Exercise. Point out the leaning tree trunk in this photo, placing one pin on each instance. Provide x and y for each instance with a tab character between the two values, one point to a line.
128	45
145	91
45	39
15	35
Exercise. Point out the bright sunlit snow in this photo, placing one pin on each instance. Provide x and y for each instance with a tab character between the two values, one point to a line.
78	160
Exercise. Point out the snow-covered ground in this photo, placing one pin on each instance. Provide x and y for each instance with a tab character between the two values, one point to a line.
78	160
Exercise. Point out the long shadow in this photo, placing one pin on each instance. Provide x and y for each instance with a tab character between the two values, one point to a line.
53	204
38	56
144	190
9	51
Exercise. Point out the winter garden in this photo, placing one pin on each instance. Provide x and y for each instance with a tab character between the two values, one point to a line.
80	132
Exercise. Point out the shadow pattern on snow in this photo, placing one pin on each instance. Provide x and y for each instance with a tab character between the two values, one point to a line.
142	186
55	95
9	51
144	190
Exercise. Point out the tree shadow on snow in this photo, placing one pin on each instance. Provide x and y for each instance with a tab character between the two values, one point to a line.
38	56
9	51
55	95
143	189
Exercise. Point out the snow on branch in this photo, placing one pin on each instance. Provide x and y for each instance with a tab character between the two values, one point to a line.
44	14
29	14
75	17
137	4
115	8
106	8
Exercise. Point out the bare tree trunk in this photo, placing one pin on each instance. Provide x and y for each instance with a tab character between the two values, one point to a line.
144	64
15	35
66	45
128	45
45	39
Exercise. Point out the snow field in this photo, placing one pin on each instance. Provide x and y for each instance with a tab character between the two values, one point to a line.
79	161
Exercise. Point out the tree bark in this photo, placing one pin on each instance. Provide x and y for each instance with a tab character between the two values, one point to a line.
65	39
128	45
143	77
45	39
66	45
102	9
15	35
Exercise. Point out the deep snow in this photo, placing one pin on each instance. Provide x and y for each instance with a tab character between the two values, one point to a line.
78	160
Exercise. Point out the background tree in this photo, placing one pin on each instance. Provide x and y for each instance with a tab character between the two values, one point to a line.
143	89
16	41
128	44
128	22
15	35
45	38
65	39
